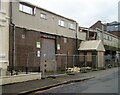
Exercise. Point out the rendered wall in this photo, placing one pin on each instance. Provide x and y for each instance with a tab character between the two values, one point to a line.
4	36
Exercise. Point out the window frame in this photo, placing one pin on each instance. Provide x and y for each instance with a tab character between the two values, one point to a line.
58	47
43	16
71	26
27	9
61	23
65	40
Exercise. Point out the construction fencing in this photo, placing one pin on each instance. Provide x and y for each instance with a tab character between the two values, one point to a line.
111	61
68	63
56	65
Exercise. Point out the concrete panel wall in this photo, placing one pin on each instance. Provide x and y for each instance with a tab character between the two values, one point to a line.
48	25
19	78
108	39
81	36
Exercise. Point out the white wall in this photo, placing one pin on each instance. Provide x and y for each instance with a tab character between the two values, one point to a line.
4	35
19	78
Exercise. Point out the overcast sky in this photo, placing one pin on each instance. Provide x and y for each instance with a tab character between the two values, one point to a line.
85	12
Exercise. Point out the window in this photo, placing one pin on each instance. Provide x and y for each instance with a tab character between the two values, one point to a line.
65	40
105	36
61	23
71	26
42	15
110	38
27	9
58	46
23	36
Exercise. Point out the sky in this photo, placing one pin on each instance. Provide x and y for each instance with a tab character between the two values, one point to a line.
85	12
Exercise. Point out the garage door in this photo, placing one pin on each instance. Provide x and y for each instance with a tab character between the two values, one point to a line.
48	54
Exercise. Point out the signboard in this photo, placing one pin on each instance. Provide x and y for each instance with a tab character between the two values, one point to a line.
38	44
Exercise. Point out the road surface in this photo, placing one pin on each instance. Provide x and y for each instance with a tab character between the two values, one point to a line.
104	82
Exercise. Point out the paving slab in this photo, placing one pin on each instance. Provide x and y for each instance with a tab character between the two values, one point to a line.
30	86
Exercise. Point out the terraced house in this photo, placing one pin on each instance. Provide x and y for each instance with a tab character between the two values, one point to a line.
38	34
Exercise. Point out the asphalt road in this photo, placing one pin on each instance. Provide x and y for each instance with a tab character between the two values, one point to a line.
104	82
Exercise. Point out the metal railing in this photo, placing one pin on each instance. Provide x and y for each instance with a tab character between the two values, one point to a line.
57	64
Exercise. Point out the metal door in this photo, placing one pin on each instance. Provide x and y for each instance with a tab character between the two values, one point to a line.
48	54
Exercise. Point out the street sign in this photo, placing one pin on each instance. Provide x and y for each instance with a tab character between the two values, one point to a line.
38	44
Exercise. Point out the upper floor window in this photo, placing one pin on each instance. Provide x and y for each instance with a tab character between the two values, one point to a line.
61	23
42	15
65	40
109	38
71	26
105	37
27	9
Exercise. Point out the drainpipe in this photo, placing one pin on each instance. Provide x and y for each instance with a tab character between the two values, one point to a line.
88	32
13	39
102	34
76	52
76	38
13	48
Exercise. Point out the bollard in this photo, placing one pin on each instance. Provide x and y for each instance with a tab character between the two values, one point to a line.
26	70
45	65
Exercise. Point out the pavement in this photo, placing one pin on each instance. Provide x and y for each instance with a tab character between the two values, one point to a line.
43	84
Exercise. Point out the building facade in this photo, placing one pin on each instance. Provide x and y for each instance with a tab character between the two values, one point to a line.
113	26
37	35
4	36
108	37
